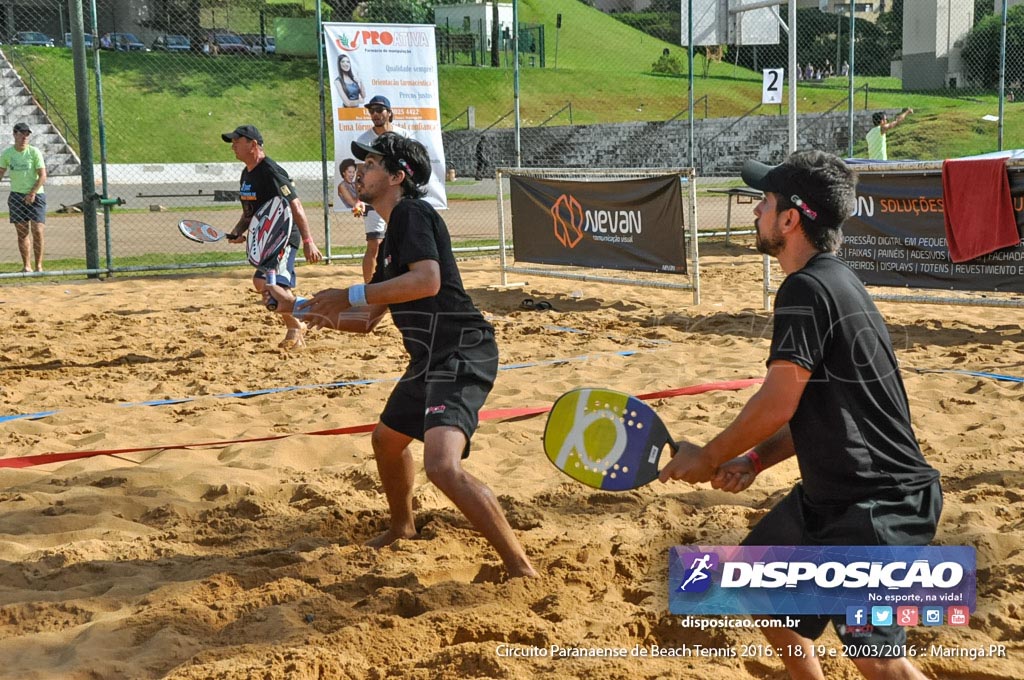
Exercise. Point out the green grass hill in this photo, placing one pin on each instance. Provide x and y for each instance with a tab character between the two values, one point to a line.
163	108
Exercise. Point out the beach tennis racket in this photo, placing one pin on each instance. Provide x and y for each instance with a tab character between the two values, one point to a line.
200	232
268	233
606	439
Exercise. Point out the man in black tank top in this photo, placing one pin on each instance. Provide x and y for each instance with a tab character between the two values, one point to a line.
833	398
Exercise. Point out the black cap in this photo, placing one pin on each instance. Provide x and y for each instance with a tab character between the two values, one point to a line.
379	100
22	127
774	178
414	161
247	131
786	180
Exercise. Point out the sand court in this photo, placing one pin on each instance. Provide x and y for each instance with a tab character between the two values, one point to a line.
246	559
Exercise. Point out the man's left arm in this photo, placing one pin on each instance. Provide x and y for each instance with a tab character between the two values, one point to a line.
763	416
331	308
309	249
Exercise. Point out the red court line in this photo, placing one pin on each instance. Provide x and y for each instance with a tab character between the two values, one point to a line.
493	414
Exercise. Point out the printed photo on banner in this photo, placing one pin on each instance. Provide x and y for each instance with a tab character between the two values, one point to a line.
383	79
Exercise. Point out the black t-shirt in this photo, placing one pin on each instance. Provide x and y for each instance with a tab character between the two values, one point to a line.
261	184
852	428
432	328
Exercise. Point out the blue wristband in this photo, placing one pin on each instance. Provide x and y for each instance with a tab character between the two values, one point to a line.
357	295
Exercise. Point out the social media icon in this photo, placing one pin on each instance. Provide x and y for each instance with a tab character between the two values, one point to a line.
881	616
856	616
906	616
932	616
958	616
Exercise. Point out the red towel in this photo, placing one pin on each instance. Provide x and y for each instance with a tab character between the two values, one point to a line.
978	208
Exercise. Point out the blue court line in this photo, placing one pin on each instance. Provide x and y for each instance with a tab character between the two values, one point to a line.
976	374
334	385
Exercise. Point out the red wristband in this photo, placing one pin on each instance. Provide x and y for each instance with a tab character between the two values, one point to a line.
755	460
308	241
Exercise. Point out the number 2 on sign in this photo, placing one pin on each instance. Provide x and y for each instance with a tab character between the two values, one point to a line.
771	88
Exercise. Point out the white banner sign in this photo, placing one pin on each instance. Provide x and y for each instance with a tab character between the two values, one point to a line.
771	86
397	61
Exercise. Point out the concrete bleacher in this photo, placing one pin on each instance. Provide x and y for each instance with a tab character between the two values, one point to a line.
720	144
18	104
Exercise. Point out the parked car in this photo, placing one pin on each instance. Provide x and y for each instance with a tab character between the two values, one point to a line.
121	42
171	43
226	43
89	37
32	38
257	45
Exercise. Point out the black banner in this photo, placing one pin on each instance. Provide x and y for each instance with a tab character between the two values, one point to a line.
897	237
624	224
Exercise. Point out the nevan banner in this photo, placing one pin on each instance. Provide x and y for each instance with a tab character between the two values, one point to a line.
897	237
626	224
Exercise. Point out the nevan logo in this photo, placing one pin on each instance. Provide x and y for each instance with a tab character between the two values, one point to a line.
568	217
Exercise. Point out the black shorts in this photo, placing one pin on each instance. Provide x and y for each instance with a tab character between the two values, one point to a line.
450	393
907	520
22	212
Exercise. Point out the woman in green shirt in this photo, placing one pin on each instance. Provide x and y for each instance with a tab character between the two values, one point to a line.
27	201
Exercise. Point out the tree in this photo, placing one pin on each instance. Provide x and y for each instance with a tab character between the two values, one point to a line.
981	48
343	10
400	11
495	36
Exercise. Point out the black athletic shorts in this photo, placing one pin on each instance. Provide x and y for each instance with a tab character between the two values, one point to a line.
451	392
908	520
22	212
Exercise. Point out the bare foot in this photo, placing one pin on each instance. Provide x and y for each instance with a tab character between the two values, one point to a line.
522	571
532	573
388	537
27	269
292	339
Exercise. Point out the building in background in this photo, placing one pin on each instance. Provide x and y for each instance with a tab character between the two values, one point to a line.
475	18
933	36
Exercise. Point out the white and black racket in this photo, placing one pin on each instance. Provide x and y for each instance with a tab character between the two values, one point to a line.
200	232
269	230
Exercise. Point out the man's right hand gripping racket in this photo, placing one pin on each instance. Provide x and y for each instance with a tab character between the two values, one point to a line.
606	439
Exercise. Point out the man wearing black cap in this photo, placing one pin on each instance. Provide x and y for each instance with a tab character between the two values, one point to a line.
262	179
453	355
382	118
27	200
833	398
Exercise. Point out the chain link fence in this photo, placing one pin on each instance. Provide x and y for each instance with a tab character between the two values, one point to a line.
598	85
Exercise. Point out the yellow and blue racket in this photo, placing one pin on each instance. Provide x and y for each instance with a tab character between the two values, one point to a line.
606	439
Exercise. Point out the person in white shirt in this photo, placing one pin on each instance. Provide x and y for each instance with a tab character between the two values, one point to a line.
383	121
